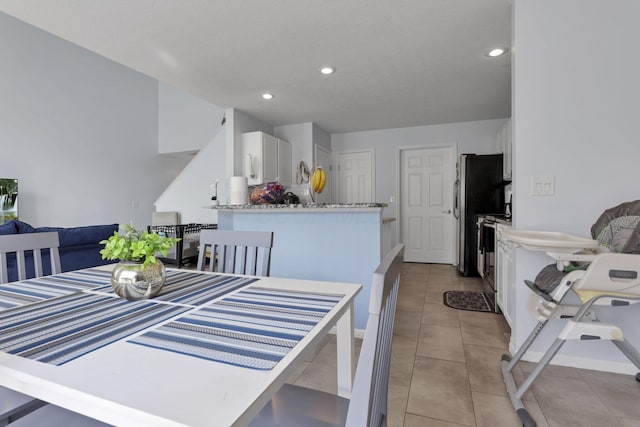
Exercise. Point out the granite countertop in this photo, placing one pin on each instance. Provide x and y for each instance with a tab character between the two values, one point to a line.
305	206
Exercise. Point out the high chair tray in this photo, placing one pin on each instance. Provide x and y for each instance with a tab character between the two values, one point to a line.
549	241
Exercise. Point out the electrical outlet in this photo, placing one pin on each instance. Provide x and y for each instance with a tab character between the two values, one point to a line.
543	185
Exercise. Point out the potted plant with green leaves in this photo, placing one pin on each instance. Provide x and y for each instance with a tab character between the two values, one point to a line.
139	274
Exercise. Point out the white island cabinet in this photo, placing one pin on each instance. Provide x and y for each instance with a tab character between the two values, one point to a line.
322	242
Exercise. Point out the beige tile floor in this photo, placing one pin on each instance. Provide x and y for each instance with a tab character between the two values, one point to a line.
445	369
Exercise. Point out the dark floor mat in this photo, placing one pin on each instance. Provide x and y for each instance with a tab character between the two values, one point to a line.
467	300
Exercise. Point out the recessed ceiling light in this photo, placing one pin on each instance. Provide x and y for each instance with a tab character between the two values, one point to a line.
497	52
327	70
267	95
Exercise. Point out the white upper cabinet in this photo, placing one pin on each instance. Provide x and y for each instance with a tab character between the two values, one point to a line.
265	158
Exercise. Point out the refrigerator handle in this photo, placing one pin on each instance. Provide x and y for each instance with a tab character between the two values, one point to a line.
456	199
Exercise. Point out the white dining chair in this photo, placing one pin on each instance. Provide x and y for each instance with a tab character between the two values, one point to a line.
17	409
235	251
294	406
165	218
19	244
55	416
13	404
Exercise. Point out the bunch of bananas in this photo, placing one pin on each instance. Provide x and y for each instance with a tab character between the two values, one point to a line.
318	180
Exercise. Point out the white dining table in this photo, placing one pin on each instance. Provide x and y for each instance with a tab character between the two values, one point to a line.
126	384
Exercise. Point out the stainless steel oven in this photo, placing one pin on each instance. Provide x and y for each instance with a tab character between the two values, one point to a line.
487	257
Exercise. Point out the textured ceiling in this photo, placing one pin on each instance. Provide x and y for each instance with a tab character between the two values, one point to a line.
399	62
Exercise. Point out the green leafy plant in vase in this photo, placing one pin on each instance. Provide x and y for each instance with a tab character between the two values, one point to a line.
139	274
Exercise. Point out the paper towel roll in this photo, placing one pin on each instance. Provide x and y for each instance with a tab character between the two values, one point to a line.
238	183
238	191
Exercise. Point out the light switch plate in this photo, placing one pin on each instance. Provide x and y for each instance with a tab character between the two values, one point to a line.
543	185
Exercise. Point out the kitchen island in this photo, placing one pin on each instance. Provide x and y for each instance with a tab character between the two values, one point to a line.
332	242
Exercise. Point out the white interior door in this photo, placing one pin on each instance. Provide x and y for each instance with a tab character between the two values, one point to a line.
355	177
322	158
426	217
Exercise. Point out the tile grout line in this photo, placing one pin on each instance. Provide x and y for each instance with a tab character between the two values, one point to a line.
415	353
597	396
473	405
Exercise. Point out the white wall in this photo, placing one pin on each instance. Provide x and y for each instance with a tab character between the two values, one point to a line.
186	123
190	193
78	131
321	137
575	117
301	138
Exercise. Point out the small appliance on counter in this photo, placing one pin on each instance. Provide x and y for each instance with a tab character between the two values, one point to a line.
290	199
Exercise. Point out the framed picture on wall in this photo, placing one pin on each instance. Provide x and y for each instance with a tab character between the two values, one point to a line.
8	199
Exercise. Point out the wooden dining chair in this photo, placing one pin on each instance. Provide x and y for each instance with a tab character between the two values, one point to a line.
299	406
19	244
13	404
235	251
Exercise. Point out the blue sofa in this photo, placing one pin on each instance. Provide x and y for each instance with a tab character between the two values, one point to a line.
79	246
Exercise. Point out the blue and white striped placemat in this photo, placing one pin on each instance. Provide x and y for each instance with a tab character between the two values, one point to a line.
254	328
61	329
182	287
31	290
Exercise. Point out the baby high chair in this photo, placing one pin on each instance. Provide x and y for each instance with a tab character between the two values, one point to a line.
602	272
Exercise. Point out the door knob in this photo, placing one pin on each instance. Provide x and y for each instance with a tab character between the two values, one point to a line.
448	211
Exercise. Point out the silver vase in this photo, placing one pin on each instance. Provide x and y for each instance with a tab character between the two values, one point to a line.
133	281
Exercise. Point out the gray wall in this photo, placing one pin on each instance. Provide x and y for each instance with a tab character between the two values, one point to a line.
299	135
239	122
186	123
469	137
321	137
575	117
78	131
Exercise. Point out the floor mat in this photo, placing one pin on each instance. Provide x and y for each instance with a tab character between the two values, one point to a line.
467	300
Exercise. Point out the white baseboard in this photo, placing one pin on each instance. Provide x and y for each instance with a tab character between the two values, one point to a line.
626	368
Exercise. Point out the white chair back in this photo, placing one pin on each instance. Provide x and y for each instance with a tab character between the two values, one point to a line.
235	251
295	406
14	404
21	243
368	405
165	218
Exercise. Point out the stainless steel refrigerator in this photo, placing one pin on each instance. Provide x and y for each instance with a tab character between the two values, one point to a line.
479	190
